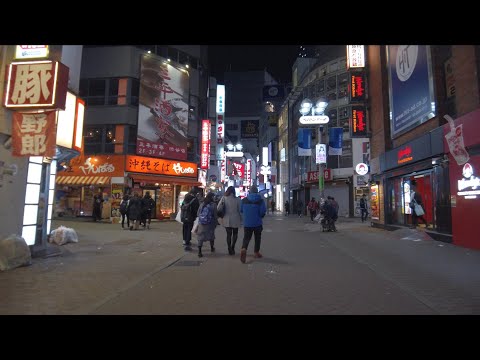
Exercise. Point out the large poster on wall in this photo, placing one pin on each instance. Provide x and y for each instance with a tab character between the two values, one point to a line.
163	110
410	87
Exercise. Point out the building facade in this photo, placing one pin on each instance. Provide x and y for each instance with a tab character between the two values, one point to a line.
142	127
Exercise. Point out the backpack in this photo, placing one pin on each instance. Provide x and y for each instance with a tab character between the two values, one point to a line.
123	207
206	216
187	214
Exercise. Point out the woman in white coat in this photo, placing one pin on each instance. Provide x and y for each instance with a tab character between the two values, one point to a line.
232	219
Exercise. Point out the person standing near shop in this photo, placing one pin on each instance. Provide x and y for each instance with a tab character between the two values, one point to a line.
287	208
313	207
97	207
230	205
300	208
363	207
135	211
253	209
416	205
123	210
189	209
148	204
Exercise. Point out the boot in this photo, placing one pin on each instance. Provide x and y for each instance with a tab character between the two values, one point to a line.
229	245
233	246
200	251
211	246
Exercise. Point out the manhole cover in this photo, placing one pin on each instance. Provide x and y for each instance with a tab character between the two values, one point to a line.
188	263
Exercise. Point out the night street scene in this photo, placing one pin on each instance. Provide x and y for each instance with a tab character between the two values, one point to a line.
239	179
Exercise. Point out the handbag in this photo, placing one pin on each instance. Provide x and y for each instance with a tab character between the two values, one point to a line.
418	209
195	226
221	211
179	217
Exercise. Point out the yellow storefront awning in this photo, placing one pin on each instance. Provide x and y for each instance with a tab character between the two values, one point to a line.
83	180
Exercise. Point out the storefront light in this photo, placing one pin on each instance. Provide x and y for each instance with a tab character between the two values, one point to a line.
29	233
34	173
30	214
32	194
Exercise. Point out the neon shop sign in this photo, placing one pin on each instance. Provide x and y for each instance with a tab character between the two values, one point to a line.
404	155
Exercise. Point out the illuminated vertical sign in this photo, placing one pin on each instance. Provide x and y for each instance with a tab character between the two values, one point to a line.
223	167
205	152
248	173
357	87
265	156
355	56
220	124
359	123
321	154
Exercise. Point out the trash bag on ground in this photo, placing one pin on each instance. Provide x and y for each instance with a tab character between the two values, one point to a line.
63	235
14	252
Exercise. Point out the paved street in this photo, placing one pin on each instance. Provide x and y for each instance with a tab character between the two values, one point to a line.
359	270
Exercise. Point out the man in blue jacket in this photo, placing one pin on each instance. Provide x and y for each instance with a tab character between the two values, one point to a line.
253	209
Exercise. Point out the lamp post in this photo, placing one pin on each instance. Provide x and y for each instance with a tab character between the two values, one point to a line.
317	117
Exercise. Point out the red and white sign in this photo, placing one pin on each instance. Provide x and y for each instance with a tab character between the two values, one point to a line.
312	176
223	168
248	173
239	169
36	84
31	51
33	134
361	169
205	153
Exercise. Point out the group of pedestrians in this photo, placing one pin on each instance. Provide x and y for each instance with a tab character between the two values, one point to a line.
228	212
137	210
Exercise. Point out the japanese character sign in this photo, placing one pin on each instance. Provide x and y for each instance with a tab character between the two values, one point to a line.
33	134
36	84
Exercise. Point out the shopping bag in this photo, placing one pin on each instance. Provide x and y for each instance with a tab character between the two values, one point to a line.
195	226
419	210
179	216
317	218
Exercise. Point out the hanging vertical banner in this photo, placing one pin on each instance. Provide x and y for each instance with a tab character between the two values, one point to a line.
248	173
321	154
359	123
304	142
163	110
33	134
335	142
355	56
205	153
357	86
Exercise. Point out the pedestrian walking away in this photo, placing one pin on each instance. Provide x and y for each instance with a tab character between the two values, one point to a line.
148	204
229	210
272	204
189	209
416	205
287	208
135	211
300	208
207	222
253	210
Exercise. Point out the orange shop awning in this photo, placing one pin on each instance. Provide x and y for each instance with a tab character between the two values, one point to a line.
152	179
83	180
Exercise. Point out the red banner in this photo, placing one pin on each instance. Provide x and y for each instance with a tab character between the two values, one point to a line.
205	153
33	134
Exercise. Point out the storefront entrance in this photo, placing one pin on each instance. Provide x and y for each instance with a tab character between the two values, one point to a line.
163	195
398	190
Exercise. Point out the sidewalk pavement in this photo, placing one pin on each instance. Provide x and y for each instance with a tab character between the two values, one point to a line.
105	261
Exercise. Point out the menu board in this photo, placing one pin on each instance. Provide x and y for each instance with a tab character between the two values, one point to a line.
374	202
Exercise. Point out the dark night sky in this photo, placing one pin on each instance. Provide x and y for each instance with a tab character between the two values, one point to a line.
277	59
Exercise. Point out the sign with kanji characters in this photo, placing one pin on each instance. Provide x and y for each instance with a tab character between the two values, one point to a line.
359	121
147	165
205	151
355	56
238	169
163	110
36	84
33	134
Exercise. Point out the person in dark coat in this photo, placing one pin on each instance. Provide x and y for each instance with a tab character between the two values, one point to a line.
125	202
206	232
97	207
287	208
148	204
192	204
416	198
135	210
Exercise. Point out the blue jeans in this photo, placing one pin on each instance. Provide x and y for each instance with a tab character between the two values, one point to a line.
364	214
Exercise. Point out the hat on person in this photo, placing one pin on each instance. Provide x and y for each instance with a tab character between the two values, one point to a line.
253	190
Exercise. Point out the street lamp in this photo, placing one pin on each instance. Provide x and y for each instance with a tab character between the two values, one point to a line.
317	117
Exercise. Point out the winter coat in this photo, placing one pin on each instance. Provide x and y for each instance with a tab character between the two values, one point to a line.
194	205
232	217
207	232
135	209
253	209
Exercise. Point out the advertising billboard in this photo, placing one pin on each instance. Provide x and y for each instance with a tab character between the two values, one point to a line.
249	129
304	142
162	110
410	87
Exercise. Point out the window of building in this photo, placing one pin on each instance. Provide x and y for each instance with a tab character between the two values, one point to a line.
96	87
343	79
342	93
232	126
343	112
332	96
320	86
332	83
345	124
